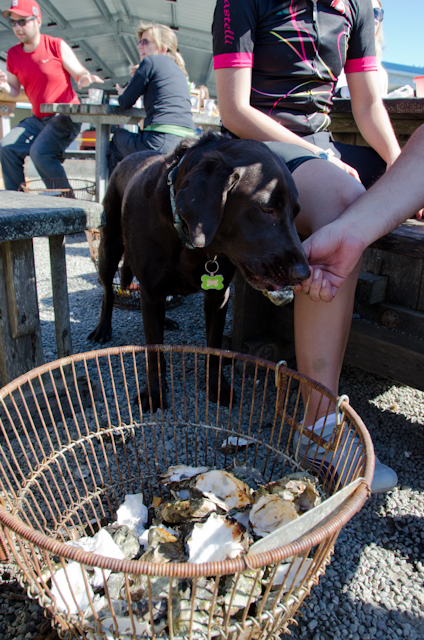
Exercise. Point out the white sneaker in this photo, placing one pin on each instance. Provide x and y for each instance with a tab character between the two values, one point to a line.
329	464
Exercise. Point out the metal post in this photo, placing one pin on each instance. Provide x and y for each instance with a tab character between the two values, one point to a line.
102	141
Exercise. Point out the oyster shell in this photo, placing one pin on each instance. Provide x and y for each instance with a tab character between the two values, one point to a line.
232	443
225	486
126	627
270	512
186	510
249	475
287	572
241	590
182	608
163	546
216	539
309	497
181	472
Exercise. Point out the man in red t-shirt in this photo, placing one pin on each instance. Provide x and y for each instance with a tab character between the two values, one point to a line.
43	66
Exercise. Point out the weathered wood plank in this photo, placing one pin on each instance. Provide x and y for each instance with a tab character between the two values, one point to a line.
407	239
19	276
386	353
16	355
393	316
25	215
404	276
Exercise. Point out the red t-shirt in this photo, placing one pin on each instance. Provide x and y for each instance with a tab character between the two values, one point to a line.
41	73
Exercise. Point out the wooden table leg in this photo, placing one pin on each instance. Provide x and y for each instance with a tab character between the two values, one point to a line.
20	334
102	142
60	296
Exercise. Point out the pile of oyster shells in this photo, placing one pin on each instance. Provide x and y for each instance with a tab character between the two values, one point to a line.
212	515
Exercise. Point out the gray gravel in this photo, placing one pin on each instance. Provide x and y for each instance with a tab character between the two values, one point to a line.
374	585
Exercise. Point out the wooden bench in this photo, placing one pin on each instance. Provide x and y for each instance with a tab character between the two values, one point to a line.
387	339
24	216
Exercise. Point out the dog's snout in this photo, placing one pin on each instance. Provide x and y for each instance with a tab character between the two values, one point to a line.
300	271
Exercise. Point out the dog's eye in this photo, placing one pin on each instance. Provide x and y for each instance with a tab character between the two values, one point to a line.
268	210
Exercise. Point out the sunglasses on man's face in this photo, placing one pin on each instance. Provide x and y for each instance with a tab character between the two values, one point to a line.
378	14
21	22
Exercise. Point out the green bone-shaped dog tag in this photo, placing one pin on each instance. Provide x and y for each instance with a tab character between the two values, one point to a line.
212	282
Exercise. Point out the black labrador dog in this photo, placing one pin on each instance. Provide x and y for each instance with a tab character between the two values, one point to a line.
185	221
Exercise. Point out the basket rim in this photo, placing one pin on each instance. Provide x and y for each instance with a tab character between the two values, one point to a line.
187	570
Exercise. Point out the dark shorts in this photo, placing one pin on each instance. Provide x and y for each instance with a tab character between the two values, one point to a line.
365	160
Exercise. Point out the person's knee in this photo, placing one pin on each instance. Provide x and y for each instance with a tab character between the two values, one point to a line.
40	156
350	191
6	150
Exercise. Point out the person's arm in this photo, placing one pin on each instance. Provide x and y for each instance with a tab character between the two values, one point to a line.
9	84
233	87
335	249
73	66
371	116
137	84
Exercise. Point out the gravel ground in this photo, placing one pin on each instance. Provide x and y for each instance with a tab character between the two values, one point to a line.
374	585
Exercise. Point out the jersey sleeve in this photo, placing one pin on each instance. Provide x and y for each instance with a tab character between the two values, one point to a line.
137	85
10	62
361	50
233	32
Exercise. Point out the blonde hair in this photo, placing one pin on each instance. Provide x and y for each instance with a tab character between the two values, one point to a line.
163	36
379	38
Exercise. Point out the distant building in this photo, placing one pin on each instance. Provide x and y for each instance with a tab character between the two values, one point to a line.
401	74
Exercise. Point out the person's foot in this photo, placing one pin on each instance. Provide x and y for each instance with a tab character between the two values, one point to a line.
317	459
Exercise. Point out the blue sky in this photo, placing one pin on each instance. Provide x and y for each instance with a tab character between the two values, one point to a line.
403	26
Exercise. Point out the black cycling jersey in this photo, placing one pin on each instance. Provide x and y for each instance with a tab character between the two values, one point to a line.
165	89
297	49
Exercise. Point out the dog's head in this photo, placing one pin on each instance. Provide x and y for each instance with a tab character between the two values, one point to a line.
240	200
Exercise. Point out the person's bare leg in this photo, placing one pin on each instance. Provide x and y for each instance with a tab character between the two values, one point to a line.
322	328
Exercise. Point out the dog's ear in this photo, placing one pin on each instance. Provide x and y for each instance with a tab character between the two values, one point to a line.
202	196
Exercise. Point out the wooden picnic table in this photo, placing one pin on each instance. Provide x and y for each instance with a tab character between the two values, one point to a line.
105	115
24	216
390	292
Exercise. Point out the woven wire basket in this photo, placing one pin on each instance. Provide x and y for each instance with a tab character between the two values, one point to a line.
75	441
124	297
70	188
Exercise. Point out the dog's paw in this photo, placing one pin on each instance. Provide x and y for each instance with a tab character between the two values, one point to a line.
223	394
153	400
101	333
171	325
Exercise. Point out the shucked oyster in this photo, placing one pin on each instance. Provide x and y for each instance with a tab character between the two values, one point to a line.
302	485
270	512
249	475
186	510
216	539
164	546
181	472
222	484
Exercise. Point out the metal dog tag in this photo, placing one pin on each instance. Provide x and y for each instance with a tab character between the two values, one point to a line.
212	279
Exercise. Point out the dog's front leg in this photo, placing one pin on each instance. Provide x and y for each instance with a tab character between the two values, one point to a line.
215	308
153	396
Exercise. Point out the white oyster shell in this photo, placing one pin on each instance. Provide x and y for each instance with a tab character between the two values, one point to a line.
289	572
222	484
218	538
270	512
181	472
